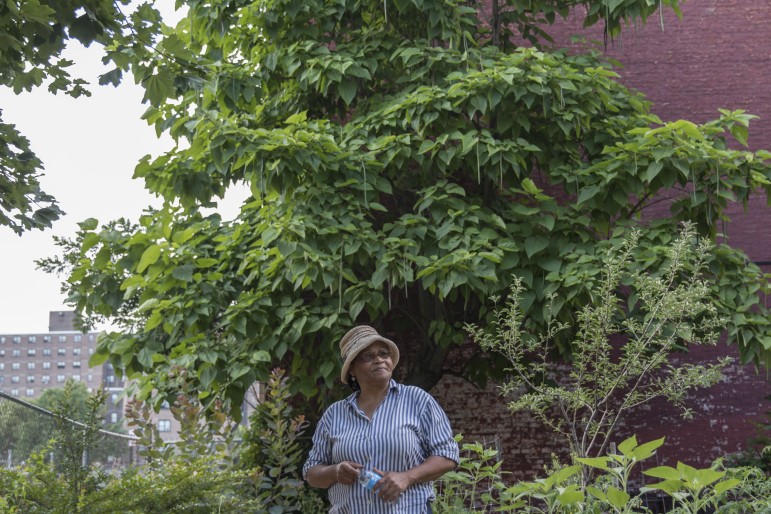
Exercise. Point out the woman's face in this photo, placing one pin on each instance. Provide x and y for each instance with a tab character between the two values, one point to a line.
373	365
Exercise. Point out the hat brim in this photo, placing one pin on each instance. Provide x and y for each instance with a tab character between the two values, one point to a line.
363	344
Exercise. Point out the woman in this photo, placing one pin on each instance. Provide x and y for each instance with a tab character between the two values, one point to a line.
397	431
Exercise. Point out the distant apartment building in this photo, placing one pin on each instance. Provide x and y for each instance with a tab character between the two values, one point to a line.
32	363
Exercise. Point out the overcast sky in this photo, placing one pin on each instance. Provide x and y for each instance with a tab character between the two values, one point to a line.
89	147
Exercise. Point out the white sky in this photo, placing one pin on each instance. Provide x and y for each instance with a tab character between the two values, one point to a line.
89	147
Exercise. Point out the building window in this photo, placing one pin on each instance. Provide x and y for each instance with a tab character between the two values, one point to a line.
76	351
15	365
113	417
2	339
164	425
45	379
2	379
2	353
77	338
30	365
62	351
91	337
17	339
75	364
90	377
30	392
76	378
61	364
32	339
46	339
46	351
114	398
110	379
62	339
46	365
14	392
16	352
90	351
15	379
2	366
60	378
30	378
30	352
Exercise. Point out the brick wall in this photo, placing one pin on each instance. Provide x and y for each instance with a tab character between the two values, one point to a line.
718	56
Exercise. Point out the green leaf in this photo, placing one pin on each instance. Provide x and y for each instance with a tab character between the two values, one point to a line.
347	89
665	472
595	462
617	497
149	257
159	87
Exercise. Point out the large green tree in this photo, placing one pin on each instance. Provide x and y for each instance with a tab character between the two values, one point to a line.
405	162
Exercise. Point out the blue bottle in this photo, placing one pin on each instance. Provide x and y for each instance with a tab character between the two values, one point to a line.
368	479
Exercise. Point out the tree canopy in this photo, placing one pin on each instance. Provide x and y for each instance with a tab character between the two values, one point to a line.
405	162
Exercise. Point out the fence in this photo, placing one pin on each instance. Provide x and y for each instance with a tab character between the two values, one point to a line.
26	429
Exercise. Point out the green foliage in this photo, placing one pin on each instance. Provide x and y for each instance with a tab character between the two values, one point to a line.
275	453
477	481
23	205
60	487
402	169
477	486
692	489
652	311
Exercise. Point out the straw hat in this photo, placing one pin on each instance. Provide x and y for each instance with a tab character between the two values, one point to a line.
356	340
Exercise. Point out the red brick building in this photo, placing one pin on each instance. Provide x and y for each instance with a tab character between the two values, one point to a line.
717	56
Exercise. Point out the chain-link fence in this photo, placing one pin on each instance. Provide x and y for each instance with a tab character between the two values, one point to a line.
26	429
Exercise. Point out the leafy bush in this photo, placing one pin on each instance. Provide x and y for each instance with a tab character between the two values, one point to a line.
274	452
478	486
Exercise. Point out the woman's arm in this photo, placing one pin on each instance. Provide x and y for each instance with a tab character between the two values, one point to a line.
324	476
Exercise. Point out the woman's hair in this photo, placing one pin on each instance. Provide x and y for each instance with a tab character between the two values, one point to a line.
353	384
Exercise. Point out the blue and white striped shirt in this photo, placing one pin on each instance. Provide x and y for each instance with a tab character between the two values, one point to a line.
407	428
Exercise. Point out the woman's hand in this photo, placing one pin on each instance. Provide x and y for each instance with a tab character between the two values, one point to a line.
392	485
347	472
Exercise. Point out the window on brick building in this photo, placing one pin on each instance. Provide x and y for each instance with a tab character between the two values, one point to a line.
76	351
60	378
15	379
16	353
30	392
30	378
164	425
62	339
61	364
46	339
14	392
15	365
17	339
45	379
75	364
62	351
32	339
46	365
30	365
31	352
46	351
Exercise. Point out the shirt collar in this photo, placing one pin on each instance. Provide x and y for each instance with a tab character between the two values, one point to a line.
393	388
